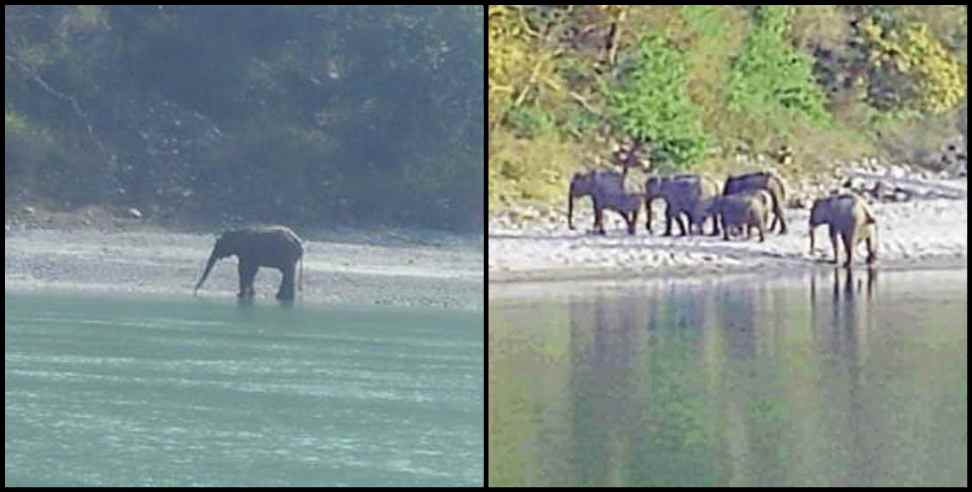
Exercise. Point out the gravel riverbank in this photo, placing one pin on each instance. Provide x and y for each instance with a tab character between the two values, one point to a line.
335	272
928	229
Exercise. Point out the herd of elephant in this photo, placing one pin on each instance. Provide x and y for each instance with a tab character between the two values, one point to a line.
744	203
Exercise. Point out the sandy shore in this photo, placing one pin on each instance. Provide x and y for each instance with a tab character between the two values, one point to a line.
396	273
538	246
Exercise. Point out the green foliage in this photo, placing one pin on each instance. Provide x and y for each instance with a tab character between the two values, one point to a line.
14	123
508	57
940	80
272	113
704	19
651	104
56	165
533	170
528	122
725	78
772	80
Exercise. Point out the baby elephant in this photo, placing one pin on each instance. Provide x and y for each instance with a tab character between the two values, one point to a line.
748	209
849	217
762	180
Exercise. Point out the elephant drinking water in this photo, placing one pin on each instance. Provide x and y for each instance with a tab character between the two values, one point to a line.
260	246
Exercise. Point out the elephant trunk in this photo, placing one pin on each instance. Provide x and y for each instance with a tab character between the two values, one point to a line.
209	266
570	210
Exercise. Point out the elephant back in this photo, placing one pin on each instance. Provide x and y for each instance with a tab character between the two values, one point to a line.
745	182
685	190
755	181
276	238
597	181
609	181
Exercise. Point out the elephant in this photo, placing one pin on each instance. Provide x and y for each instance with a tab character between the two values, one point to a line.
848	216
748	209
606	189
683	193
259	246
708	208
762	180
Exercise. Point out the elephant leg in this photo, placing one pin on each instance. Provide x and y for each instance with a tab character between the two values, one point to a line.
715	225
848	238
286	290
725	230
247	271
833	243
871	250
668	224
778	211
691	223
760	227
633	222
648	214
681	223
599	220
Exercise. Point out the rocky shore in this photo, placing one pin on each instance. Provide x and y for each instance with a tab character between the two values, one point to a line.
361	268
922	219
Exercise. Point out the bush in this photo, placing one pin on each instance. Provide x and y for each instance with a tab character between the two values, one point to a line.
651	103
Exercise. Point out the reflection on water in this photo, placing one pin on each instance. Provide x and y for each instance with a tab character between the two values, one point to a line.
836	378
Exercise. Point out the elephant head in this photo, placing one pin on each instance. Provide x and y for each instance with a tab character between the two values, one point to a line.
228	244
830	210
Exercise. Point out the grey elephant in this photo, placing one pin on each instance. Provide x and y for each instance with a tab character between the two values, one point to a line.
259	246
849	217
606	189
710	208
683	194
761	180
742	210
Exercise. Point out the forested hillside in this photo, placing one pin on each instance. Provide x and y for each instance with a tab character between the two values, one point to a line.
717	88
329	115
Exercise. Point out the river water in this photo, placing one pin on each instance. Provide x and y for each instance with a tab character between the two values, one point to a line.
128	391
817	379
